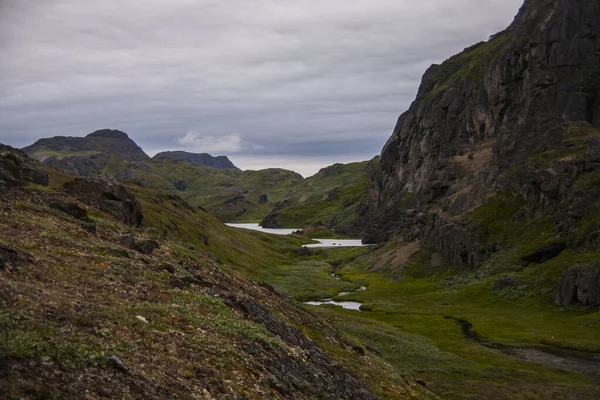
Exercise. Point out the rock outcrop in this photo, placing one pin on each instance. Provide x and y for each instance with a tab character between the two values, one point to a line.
518	114
109	196
16	169
199	159
86	156
579	285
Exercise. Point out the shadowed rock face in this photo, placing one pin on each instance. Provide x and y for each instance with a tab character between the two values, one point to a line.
16	169
479	120
202	159
579	285
108	195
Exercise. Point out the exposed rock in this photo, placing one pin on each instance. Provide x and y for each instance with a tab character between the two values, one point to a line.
579	285
118	364
69	207
108	195
127	240
272	220
180	185
499	117
145	246
16	169
12	259
203	159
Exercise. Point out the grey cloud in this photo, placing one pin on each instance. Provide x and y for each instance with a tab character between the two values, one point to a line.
306	78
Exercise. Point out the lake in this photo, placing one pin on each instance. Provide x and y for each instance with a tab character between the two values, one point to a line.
323	243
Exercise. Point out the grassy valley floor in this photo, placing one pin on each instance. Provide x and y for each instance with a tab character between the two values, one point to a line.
410	317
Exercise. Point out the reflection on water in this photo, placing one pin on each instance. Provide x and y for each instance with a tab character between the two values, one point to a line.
323	243
349	305
257	227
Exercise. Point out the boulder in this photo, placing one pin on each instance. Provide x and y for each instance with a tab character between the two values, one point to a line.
109	196
69	207
579	285
16	169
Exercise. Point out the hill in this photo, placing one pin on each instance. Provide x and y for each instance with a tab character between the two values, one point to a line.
103	151
333	198
202	159
92	306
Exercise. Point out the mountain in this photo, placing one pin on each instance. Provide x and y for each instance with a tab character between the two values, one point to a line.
333	198
497	161
202	159
228	194
161	310
102	151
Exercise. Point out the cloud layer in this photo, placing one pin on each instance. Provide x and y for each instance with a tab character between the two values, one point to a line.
253	79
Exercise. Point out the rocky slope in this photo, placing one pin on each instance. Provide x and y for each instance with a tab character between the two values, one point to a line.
202	159
100	151
91	307
501	148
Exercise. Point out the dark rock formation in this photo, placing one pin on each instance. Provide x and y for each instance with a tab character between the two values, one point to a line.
579	285
12	259
180	185
16	169
86	156
272	220
517	114
202	159
144	246
69	207
108	195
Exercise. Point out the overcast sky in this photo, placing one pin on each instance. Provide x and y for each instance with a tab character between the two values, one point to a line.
298	84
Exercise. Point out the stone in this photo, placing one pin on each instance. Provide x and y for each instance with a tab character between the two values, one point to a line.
146	246
109	196
579	285
16	169
118	364
69	207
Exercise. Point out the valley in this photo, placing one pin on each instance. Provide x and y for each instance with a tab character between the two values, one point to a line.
461	263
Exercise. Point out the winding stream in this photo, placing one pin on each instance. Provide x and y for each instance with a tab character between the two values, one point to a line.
348	305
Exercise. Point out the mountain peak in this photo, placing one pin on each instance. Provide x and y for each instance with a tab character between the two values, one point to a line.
200	159
109	133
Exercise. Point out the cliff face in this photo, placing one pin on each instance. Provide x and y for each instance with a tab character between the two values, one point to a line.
516	116
202	159
86	156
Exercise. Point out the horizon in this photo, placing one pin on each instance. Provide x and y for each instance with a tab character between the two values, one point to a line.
276	84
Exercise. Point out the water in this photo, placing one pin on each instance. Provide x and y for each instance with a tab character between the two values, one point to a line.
331	243
349	305
257	227
323	243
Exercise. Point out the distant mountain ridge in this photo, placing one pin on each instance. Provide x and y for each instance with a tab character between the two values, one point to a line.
199	159
86	156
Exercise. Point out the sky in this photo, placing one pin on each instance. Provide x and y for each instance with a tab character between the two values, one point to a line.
296	84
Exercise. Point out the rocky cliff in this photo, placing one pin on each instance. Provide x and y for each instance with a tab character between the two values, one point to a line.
89	155
508	124
202	159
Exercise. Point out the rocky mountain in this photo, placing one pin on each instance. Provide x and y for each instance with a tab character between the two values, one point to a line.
202	159
105	150
500	151
332	198
92	306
